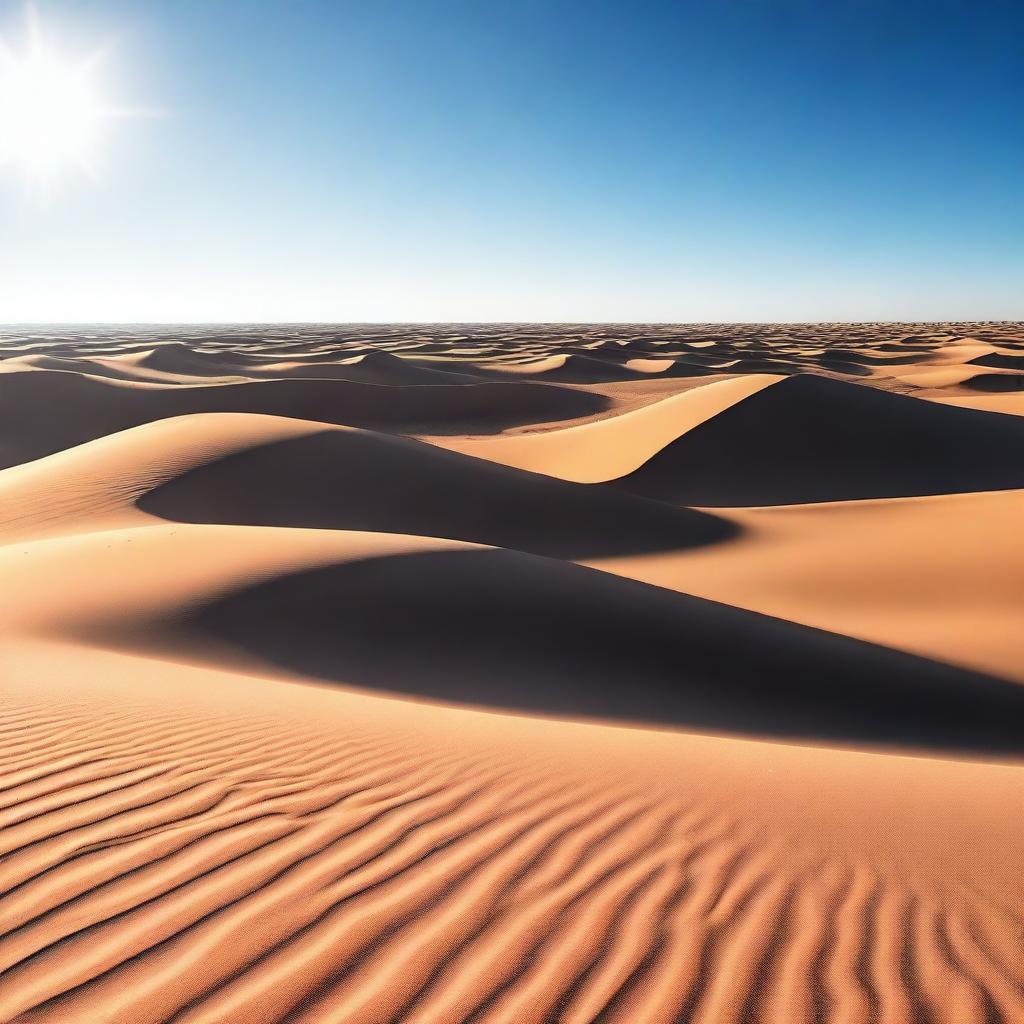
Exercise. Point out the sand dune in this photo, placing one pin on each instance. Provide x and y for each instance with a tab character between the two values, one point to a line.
994	382
373	674
91	408
808	439
936	576
184	360
610	448
346	479
95	486
370	368
269	471
421	617
118	368
560	639
1002	360
572	369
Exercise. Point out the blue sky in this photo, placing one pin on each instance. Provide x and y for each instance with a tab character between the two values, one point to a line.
422	160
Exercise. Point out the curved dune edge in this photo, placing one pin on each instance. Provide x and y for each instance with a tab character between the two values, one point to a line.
212	847
610	448
422	617
943	375
809	439
964	379
935	576
252	470
92	407
95	485
1009	405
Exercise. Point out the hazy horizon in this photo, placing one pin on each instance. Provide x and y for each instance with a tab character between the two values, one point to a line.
39	324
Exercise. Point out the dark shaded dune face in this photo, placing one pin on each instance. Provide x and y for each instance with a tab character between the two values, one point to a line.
579	369
850	356
89	408
441	409
684	367
367	366
90	366
586	369
995	383
1000	361
384	368
811	439
747	365
846	367
903	347
351	480
29	428
177	357
513	631
692	360
406	374
370	367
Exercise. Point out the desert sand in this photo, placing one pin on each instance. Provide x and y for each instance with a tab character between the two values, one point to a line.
552	673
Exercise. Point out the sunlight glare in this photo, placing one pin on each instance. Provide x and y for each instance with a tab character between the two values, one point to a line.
50	109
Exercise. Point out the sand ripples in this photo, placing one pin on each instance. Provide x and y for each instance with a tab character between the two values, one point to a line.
238	869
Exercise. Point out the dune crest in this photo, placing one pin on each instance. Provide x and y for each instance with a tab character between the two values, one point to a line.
610	448
812	439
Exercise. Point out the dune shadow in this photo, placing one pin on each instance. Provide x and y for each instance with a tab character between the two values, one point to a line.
999	360
512	631
995	383
356	480
810	439
91	408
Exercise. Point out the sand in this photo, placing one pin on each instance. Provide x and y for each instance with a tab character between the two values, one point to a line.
512	674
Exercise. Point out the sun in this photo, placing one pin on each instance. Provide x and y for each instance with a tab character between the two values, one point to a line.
51	110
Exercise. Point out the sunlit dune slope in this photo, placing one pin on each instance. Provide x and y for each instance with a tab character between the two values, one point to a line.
612	447
937	576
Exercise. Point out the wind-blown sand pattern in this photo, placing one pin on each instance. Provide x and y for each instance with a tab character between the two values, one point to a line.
512	674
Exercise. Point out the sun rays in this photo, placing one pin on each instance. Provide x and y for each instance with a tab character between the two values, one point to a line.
53	109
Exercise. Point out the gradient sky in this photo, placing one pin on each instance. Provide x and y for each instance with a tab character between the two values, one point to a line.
420	160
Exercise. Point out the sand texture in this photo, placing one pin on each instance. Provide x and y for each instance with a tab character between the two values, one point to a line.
512	674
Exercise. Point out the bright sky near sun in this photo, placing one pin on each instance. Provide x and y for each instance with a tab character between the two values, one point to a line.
333	160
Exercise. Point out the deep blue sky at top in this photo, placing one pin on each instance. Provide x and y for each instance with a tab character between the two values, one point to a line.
425	160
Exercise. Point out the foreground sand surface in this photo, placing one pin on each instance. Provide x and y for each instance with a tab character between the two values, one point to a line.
512	674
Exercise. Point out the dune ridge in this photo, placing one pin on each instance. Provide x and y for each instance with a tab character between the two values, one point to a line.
810	439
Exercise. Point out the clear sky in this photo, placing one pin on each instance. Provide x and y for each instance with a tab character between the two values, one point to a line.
635	161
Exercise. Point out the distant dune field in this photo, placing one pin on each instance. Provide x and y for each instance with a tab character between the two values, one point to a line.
496	673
